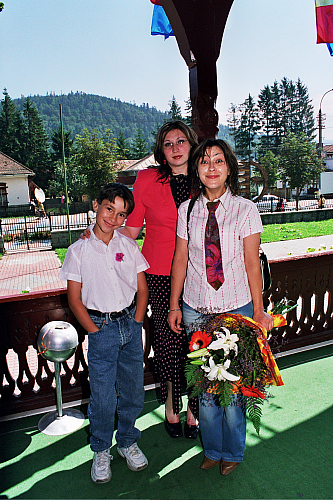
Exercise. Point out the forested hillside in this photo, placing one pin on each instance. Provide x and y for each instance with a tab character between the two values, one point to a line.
86	111
90	111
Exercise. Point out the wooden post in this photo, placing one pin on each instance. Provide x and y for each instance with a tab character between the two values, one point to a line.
199	26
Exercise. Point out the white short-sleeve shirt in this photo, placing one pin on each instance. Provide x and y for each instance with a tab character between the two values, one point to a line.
108	273
237	218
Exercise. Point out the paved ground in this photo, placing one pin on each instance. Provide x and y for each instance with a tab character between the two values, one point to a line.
25	272
29	271
280	249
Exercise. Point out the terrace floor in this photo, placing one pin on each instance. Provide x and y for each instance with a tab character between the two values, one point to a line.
291	459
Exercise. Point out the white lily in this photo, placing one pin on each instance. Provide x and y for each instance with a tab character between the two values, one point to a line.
219	371
226	341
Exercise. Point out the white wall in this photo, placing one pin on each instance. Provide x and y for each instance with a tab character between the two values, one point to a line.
329	163
326	182
17	189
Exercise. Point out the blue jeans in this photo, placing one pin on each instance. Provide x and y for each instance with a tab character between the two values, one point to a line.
115	361
223	430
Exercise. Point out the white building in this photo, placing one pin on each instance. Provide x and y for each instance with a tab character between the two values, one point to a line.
14	189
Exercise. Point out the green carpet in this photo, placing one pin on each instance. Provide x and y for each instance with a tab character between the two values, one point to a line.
292	458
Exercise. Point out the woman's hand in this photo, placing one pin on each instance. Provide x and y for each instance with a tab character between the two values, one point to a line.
264	319
85	234
174	321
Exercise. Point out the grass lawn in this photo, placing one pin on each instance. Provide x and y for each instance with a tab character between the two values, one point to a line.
61	252
296	230
272	232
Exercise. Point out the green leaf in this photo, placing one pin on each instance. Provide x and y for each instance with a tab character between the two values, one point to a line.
254	411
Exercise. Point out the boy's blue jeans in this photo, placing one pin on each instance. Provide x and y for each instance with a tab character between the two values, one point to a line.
223	430
115	362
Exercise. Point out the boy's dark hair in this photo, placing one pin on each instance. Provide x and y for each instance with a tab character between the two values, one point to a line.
110	191
230	158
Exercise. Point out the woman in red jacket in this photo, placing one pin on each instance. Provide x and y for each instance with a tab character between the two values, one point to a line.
158	192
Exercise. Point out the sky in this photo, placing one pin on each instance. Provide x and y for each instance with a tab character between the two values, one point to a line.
105	48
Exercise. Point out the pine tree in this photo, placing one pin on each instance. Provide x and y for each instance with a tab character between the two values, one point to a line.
12	132
245	136
233	123
265	104
175	110
56	144
36	156
303	111
188	112
139	147
123	150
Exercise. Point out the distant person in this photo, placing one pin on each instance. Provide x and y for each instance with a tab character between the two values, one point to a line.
108	294
41	209
321	201
280	205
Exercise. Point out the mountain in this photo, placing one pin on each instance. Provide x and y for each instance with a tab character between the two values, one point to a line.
80	111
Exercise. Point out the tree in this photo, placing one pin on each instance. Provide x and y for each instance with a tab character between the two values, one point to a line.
75	177
265	104
175	110
233	123
139	147
95	159
1	6
12	131
298	161
245	136
282	108
56	144
36	155
123	149
304	112
270	163
188	112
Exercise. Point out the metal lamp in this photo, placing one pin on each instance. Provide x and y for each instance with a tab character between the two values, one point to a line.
57	341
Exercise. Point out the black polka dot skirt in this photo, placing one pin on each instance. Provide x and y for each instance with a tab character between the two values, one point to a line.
170	348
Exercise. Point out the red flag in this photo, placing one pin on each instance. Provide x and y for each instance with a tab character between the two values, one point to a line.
324	21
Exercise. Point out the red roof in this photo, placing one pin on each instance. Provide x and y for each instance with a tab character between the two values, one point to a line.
328	148
8	166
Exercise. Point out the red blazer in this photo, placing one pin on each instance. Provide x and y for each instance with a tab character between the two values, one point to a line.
154	203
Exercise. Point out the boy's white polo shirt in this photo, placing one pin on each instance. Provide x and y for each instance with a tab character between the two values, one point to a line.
108	273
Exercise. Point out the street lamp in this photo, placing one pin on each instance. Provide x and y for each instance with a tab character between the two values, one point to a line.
321	122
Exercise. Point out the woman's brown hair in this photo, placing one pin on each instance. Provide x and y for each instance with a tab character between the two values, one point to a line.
230	158
163	167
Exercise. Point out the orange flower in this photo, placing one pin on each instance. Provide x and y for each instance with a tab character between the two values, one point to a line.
199	340
252	392
279	320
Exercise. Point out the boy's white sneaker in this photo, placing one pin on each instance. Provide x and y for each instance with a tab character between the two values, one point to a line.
100	469
134	457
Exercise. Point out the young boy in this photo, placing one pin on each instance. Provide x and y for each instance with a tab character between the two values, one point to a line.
104	273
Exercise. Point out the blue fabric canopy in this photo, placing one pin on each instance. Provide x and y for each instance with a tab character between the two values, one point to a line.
160	24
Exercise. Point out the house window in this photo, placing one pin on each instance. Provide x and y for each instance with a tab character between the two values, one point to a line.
3	195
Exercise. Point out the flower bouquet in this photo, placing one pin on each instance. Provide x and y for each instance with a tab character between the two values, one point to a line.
230	355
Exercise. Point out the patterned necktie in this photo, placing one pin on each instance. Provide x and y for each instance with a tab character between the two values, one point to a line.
213	258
